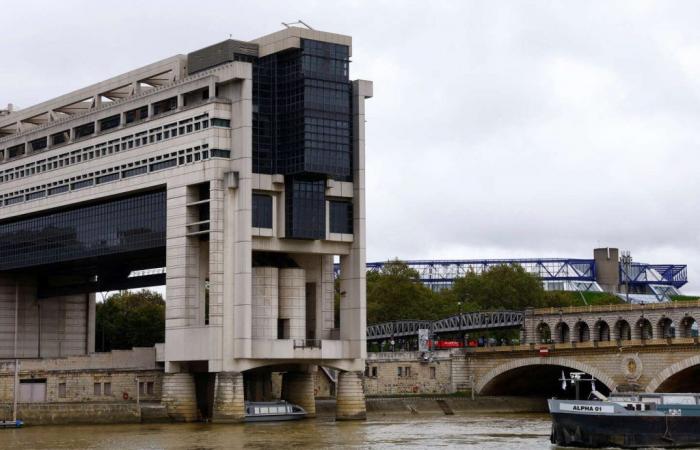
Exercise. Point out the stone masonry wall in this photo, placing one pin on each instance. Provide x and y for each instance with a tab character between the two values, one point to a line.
407	373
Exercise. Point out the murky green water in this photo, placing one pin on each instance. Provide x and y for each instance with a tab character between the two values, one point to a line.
502	431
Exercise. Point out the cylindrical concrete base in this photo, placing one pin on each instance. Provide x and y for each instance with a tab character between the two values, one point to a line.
179	397
229	402
350	399
298	388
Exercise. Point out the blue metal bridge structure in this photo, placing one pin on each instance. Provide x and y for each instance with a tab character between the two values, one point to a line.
464	322
567	274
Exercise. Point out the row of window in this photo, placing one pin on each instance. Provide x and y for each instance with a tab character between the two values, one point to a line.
117	226
144	166
105	389
165	132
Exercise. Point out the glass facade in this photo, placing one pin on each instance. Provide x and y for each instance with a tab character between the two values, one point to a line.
302	116
340	216
262	211
305	210
118	226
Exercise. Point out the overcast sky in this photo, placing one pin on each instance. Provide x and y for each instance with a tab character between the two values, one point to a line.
498	129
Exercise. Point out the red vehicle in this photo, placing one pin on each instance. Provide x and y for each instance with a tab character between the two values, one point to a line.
444	344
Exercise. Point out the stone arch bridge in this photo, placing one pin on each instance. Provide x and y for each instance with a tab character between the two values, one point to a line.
652	348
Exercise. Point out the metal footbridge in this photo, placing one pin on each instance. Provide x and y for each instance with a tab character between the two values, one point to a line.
470	321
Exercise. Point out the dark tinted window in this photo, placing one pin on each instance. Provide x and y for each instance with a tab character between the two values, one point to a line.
130	224
340	216
262	211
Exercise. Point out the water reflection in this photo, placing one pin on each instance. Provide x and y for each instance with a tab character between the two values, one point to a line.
503	432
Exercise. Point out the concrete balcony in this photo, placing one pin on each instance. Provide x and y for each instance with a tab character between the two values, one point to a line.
303	349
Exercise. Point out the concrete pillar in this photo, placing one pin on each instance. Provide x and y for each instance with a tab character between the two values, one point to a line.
292	301
350	398
298	388
179	396
265	302
607	268
229	402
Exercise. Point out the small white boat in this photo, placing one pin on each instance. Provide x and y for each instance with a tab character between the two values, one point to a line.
11	423
273	411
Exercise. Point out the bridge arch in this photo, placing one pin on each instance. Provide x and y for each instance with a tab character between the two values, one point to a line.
544	333
601	330
582	332
665	328
562	332
677	377
688	325
504	373
643	329
622	330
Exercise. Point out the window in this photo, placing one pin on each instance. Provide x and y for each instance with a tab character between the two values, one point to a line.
432	373
340	216
217	153
60	138
407	371
84	130
374	371
224	123
136	115
399	371
142	388
61	390
134	172
116	226
262	211
15	151
39	144
150	388
110	122
97	389
107	388
164	106
163	165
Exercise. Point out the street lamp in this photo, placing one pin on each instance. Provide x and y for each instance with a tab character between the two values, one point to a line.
461	338
626	260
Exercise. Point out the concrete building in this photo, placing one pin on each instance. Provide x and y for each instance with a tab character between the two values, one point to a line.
234	175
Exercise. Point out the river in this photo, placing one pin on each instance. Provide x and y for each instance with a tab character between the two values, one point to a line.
391	431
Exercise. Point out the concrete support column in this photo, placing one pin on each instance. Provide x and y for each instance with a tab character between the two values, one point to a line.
292	302
298	388
179	396
229	402
350	399
265	302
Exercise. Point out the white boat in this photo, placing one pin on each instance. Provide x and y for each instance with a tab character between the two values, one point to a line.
273	411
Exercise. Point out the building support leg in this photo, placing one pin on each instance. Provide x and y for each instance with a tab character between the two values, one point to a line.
350	400
179	397
298	388
229	402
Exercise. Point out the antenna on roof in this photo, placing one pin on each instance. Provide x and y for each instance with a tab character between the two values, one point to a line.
298	22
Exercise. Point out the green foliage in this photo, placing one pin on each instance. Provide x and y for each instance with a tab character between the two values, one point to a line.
396	293
130	319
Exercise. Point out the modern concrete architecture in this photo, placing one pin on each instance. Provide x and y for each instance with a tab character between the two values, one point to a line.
235	176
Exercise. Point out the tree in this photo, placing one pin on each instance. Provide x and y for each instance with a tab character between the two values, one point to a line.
396	292
130	319
499	287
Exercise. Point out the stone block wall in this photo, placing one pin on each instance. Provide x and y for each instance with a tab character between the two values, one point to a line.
407	373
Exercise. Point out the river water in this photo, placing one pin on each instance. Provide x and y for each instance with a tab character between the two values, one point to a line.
392	431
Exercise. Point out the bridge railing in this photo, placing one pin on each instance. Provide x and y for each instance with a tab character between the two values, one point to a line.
616	308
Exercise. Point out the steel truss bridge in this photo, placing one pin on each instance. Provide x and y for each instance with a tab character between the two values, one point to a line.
555	273
471	321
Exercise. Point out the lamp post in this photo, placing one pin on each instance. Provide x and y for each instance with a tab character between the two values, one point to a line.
461	338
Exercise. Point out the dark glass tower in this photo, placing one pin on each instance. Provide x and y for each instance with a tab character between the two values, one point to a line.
302	128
